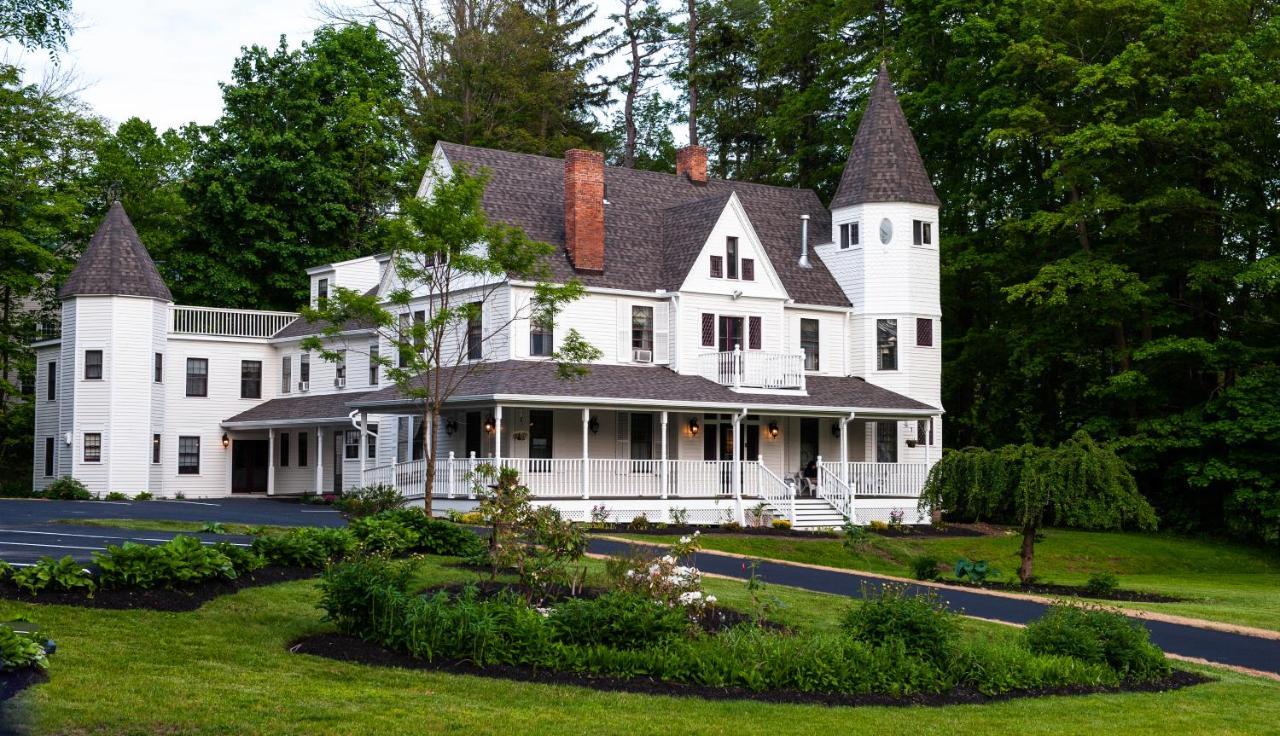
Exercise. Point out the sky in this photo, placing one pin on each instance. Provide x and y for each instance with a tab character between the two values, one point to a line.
161	60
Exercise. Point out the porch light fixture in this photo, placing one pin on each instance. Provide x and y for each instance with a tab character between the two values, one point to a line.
594	425
489	424
693	426
226	441
773	430
835	429
451	427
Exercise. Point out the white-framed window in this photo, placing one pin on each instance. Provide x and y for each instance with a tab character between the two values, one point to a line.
541	338
304	368
373	364
93	365
404	426
371	442
286	374
351	444
731	257
251	379
155	449
188	455
158	369
92	447
887	344
921	232
641	333
340	370
322	292
197	376
848	235
809	343
475	332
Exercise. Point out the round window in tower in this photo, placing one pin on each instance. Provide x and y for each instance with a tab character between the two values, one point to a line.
886	231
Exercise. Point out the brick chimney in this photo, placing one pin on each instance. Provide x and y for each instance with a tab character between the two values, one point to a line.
584	209
691	161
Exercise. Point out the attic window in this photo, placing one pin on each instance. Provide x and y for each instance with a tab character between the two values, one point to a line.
848	235
731	256
322	293
748	269
717	267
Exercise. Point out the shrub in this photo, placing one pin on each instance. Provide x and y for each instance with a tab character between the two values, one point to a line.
436	536
856	538
617	619
51	574
180	561
19	650
6	571
534	541
143	496
213	527
67	488
243	559
877	525
662	578
471	517
639	524
975	572
731	526
1102	584
348	591
920	624
925	567
382	535
293	548
781	524
115	496
1098	636
368	501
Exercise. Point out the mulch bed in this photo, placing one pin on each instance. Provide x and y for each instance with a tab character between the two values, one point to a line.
712	619
352	649
1078	591
15	681
922	531
159	599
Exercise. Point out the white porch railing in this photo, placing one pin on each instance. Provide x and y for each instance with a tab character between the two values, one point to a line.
884	479
834	491
780	494
229	322
753	369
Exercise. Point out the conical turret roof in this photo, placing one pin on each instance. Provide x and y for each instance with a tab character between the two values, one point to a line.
884	164
116	263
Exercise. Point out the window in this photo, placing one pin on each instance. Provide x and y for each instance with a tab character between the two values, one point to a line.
748	269
303	444
284	449
848	234
921	232
188	456
48	457
92	365
51	382
708	330
155	449
809	343
922	432
420	330
403	426
887	344
924	333
304	369
93	447
406	332
286	374
340	370
731	257
419	447
197	377
351	444
251	379
158	369
322	293
540	338
373	364
641	333
475	331
731	333
886	442
755	333
717	267
371	442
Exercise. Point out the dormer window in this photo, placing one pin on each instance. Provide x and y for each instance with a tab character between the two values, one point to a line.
322	293
717	267
848	235
921	232
731	257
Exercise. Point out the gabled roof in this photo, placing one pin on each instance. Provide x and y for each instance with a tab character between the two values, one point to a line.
884	163
320	408
685	229
528	191
116	263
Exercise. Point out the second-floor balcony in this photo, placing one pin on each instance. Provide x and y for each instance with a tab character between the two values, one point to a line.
753	369
229	322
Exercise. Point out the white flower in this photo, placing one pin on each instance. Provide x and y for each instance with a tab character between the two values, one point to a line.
711	599
685	539
688	599
668	559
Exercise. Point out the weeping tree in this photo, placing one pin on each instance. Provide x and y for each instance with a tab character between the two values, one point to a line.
1076	484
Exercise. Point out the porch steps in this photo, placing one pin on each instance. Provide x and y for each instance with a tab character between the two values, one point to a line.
815	513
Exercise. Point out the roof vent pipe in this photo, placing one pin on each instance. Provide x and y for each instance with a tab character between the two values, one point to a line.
804	241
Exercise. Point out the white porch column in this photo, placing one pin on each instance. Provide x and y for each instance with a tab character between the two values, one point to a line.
319	459
844	448
736	474
586	470
271	462
497	435
666	474
364	444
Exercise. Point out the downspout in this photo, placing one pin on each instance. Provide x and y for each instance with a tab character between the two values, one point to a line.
738	446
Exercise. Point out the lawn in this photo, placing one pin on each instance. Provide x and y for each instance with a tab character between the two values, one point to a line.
1222	581
224	669
164	525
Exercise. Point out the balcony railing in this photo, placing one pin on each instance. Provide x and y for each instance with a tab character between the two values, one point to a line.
753	369
229	322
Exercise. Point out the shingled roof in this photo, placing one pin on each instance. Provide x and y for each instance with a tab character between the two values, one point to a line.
884	164
528	191
116	263
653	384
319	408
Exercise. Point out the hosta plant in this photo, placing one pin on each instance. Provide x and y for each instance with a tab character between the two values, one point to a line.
51	574
19	649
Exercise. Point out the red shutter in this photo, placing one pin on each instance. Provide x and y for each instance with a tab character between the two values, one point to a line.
754	328
717	267
708	330
748	269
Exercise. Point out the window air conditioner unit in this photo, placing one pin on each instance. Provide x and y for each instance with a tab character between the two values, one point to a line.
642	356
340	382
303	385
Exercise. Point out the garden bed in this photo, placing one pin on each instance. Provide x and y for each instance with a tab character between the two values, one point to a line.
1077	591
187	598
352	649
13	682
922	531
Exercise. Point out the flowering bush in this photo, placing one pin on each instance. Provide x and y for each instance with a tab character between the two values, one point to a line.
665	580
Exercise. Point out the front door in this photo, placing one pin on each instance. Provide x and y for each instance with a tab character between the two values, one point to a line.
886	442
475	434
540	424
249	460
730	334
641	440
339	446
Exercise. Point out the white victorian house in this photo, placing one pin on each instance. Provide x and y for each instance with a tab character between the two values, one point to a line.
747	330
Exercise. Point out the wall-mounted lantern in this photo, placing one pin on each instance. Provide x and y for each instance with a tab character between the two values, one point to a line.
226	441
594	425
773	430
489	424
693	426
451	426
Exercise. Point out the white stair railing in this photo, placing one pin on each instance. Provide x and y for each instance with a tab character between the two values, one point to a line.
777	493
833	490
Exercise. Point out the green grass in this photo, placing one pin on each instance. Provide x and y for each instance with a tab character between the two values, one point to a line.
224	669
163	525
1221	581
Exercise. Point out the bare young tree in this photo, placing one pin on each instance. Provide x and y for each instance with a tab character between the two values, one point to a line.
692	31
645	31
449	261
